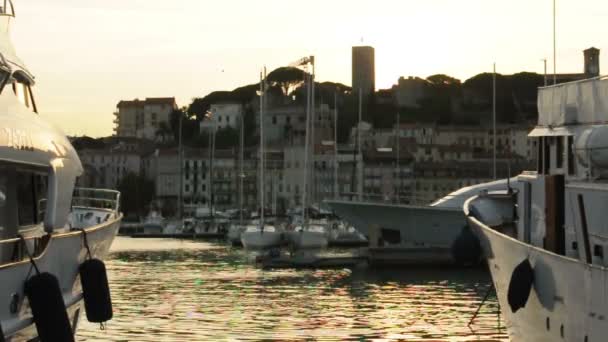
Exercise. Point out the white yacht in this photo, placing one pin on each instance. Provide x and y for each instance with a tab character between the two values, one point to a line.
51	234
412	234
310	237
257	237
545	238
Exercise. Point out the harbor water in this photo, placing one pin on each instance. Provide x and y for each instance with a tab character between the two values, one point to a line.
179	290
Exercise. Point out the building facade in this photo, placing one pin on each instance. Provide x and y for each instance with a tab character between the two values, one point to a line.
147	119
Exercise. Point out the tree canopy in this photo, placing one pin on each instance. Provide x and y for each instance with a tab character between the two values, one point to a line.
286	78
136	194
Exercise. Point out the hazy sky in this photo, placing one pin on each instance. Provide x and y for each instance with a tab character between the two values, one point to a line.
89	54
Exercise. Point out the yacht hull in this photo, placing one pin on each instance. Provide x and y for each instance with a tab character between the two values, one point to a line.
234	235
416	225
62	257
567	299
260	240
307	240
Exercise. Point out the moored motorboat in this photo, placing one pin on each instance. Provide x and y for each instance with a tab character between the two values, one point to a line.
308	237
544	237
52	235
413	234
233	236
257	237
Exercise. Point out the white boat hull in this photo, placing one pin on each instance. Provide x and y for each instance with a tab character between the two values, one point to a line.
234	234
260	240
568	298
307	240
62	258
417	225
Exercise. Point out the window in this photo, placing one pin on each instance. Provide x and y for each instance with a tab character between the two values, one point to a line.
274	120
569	146
559	158
31	197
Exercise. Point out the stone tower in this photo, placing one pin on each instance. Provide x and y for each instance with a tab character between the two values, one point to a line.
363	76
592	62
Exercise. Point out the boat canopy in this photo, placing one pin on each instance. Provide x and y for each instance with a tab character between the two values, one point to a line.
574	103
550	132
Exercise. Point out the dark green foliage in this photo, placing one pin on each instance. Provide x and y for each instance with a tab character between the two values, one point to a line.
136	193
88	143
287	79
227	137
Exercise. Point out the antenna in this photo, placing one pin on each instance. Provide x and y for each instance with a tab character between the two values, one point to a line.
554	47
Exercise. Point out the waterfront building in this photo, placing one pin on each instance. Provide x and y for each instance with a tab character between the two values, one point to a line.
107	163
226	114
147	119
409	91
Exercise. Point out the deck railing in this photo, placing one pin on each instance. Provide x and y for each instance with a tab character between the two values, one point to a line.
96	198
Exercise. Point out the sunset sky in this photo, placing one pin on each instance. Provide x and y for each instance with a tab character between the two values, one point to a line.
89	54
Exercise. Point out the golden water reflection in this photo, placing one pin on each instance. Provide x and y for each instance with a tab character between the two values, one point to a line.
211	293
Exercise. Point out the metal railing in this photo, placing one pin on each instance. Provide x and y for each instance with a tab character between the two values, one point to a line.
96	198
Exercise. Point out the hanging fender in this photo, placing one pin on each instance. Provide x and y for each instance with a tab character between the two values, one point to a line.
466	249
95	287
46	302
520	286
51	319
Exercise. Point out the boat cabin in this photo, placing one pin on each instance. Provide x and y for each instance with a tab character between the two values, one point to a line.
559	205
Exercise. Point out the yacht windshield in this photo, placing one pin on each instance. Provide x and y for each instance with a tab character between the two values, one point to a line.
7	8
23	90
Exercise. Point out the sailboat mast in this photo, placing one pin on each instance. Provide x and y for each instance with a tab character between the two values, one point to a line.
180	157
359	146
241	174
262	150
335	145
494	122
306	143
397	142
312	135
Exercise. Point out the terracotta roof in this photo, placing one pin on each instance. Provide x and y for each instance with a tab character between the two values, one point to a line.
149	101
134	103
160	100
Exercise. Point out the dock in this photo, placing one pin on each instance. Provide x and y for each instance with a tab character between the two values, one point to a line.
201	236
320	262
410	256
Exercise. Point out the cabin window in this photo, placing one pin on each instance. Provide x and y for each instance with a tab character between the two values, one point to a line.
559	157
598	251
546	155
539	156
31	197
569	147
